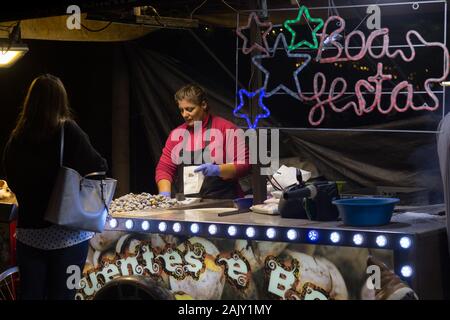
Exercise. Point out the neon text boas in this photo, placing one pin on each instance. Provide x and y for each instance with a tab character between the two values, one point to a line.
373	84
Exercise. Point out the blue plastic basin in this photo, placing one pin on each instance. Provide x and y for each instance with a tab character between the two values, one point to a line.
362	212
243	203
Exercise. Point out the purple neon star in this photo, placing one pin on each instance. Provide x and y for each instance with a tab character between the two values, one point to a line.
255	46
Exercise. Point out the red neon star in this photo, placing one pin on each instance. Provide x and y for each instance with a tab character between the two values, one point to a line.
255	46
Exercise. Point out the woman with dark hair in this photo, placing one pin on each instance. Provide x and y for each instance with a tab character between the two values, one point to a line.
31	160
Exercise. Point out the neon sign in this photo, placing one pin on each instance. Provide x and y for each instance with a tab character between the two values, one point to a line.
372	85
295	56
317	112
303	11
255	46
259	116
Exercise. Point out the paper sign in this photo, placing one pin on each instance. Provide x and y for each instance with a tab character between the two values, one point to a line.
192	180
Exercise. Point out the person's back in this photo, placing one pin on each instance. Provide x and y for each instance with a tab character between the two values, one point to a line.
31	161
31	168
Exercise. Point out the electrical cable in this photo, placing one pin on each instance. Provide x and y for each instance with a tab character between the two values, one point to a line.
333	6
251	78
367	15
298	4
13	36
201	5
223	1
96	30
157	16
229	6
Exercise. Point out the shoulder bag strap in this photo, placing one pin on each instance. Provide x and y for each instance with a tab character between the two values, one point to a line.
102	184
61	146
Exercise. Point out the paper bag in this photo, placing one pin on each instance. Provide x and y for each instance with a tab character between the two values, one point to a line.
192	180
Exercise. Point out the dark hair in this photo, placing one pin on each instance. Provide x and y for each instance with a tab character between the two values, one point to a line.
191	92
45	108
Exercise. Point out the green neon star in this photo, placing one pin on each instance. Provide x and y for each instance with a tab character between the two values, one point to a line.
305	11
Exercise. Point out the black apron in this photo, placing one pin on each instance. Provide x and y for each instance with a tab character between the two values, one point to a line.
212	187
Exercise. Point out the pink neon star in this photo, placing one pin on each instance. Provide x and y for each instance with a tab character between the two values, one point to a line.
255	46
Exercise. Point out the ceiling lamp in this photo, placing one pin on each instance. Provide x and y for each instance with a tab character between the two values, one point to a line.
12	49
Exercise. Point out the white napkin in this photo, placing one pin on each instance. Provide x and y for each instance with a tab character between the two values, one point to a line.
266	208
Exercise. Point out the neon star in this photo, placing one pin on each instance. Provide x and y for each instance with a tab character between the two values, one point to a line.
255	46
305	11
285	51
250	95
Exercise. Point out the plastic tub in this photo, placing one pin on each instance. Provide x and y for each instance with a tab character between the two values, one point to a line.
243	203
363	212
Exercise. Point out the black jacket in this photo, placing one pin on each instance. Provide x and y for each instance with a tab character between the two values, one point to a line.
31	169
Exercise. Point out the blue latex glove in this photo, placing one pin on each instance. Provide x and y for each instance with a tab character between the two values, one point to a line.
165	193
208	170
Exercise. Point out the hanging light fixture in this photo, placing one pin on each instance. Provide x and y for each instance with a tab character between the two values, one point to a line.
12	49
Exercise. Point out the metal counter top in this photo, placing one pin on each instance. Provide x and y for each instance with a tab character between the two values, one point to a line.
404	223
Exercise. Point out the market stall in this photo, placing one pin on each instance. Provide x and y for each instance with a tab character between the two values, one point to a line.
347	93
198	254
213	251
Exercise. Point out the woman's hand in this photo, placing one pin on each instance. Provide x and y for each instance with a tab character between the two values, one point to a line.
165	194
209	170
225	171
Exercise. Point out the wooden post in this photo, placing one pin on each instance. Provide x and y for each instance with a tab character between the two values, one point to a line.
258	180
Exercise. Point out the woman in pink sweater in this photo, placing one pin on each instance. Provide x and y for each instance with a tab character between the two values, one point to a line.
213	144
